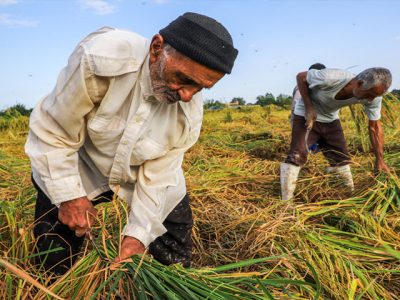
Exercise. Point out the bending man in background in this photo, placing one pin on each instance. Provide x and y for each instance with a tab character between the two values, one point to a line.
323	93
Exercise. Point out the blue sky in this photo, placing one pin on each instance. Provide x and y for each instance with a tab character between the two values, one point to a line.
276	39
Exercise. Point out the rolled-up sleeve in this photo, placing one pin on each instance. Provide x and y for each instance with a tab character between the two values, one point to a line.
316	78
159	188
57	130
327	78
373	109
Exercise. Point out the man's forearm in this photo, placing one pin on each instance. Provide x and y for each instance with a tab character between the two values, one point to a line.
376	138
310	113
303	89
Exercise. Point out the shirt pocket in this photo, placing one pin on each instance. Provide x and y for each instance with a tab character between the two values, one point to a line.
105	134
147	149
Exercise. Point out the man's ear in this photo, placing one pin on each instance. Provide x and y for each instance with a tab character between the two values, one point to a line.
156	47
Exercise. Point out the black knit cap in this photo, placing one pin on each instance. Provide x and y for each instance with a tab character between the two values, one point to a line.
202	39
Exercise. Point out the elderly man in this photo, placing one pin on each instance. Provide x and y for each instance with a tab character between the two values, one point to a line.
316	120
119	120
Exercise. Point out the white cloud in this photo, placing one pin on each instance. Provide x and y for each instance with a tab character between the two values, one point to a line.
99	7
8	2
10	21
156	2
160	1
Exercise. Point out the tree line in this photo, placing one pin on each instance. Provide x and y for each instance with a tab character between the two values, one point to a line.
281	100
262	100
15	111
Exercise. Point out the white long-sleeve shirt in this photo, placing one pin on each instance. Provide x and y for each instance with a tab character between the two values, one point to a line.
101	129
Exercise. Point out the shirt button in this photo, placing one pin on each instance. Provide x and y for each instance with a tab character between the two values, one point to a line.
138	119
124	142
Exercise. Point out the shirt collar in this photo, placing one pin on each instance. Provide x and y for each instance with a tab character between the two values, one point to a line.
145	81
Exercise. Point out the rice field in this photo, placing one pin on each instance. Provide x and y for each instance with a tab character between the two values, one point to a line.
248	244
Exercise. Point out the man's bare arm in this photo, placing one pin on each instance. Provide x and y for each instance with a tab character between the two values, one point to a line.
377	141
310	113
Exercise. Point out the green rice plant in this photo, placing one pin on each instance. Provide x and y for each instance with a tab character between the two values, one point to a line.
360	120
12	120
228	117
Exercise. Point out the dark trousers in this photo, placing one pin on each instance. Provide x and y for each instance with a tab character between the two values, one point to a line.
174	246
330	139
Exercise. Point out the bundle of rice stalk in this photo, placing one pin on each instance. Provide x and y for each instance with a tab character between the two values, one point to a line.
94	277
393	160
380	199
357	256
341	257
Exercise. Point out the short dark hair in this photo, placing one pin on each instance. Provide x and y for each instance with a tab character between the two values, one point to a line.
317	66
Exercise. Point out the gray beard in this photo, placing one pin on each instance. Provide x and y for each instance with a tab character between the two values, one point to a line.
165	95
160	89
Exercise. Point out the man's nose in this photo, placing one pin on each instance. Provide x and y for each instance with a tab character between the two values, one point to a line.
186	93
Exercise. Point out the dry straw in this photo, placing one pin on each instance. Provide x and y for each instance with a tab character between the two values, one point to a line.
248	244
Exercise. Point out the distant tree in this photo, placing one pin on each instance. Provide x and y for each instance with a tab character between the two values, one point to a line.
284	100
270	97
396	93
213	103
17	109
239	100
265	100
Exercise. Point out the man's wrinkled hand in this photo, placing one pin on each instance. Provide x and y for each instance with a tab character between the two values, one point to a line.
129	246
311	117
78	214
381	167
